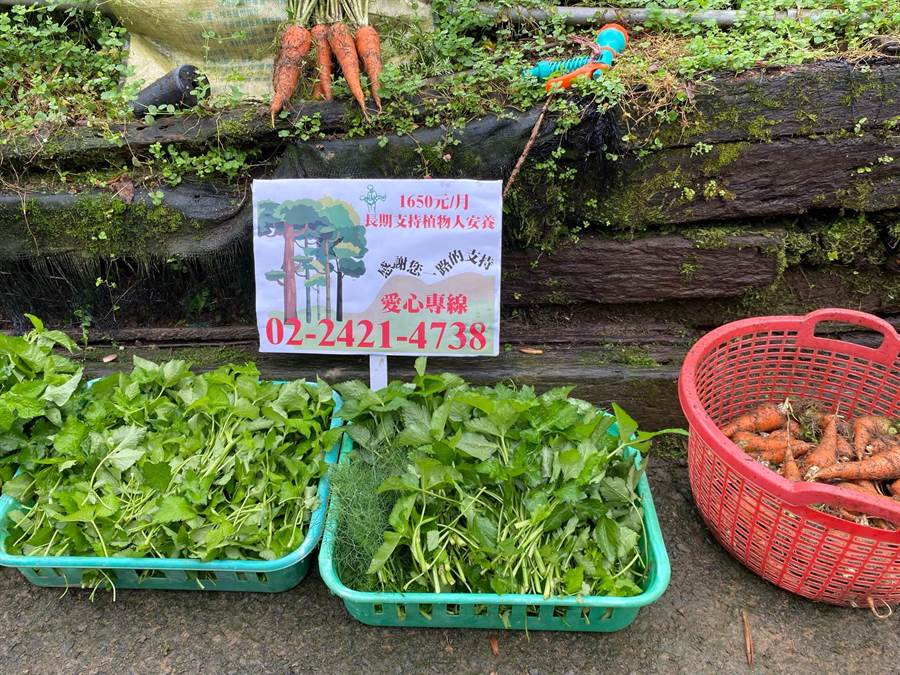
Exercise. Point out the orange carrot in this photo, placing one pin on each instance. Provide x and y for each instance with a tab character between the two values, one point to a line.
826	452
295	43
340	39
844	449
756	443
777	455
884	466
883	444
767	417
790	430
750	442
789	469
864	428
864	486
368	46
322	89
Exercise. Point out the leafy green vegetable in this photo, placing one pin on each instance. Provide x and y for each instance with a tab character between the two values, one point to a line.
35	387
161	462
493	490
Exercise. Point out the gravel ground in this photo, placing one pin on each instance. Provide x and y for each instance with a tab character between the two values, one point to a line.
694	628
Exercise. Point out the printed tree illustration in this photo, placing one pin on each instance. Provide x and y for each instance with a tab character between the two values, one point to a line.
347	249
270	224
305	215
329	237
291	220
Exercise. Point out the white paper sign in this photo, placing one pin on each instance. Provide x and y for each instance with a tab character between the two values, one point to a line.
378	266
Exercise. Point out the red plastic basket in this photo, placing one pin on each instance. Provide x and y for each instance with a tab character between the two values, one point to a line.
764	520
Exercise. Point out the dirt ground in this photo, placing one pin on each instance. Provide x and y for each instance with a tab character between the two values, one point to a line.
694	628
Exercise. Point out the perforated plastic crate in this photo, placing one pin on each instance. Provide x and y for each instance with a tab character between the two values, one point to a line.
509	611
181	574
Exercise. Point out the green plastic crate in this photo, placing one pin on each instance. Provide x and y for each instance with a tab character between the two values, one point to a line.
509	611
178	574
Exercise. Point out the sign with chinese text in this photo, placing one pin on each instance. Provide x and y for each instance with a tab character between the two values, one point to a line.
378	266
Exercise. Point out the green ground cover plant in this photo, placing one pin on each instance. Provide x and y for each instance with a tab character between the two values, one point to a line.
452	487
468	65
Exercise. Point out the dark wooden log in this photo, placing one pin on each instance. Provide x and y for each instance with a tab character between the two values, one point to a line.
813	99
643	270
761	104
486	148
246	125
200	218
648	390
753	180
515	333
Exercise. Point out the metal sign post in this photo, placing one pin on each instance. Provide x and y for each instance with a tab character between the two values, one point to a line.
378	372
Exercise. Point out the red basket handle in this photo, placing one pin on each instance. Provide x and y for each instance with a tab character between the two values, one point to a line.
886	354
805	494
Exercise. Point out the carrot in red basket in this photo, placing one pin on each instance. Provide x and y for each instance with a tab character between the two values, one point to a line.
885	466
864	486
844	449
771	443
777	455
883	444
789	469
790	430
826	452
767	417
864	428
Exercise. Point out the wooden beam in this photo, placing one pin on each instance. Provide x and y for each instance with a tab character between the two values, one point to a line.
647	269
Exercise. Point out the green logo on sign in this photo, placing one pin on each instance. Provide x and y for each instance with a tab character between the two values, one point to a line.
371	199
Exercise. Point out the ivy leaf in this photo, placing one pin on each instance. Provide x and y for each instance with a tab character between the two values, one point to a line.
156	475
615	490
421	365
573	579
20	487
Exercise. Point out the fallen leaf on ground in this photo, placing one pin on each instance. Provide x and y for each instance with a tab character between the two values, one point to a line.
123	188
495	648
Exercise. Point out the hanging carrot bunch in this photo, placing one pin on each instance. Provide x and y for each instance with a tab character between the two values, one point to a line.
324	62
340	39
368	44
292	48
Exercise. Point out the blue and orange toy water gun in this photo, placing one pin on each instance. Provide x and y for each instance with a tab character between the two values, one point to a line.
611	41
